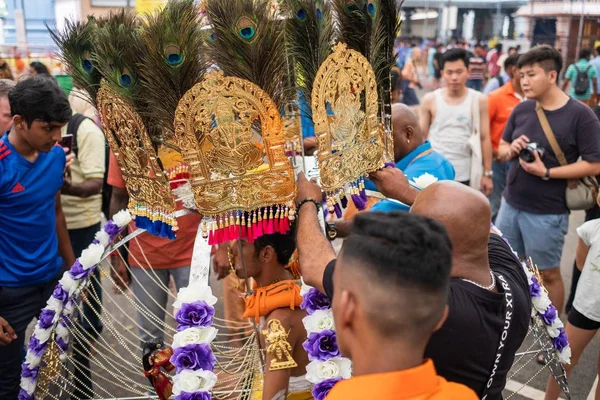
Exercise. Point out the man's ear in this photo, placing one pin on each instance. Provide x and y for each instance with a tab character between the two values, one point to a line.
553	76
409	132
348	309
19	122
442	319
268	254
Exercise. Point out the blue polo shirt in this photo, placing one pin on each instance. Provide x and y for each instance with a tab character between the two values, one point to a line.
432	163
28	241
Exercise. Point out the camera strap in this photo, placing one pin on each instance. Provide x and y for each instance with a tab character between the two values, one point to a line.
550	135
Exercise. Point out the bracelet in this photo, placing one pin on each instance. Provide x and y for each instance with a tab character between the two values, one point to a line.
308	200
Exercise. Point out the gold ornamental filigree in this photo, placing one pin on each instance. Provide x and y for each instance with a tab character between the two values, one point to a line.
345	114
231	137
50	368
149	191
278	346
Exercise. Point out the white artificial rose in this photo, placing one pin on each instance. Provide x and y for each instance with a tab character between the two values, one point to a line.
91	256
424	180
69	308
68	283
553	330
28	385
541	303
195	292
42	334
193	381
318	321
103	238
317	371
32	360
62	332
122	218
565	355
55	305
194	336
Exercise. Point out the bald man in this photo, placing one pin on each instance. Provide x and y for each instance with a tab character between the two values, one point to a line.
413	155
488	290
385	309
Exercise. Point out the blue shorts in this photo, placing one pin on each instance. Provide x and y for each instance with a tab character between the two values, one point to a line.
537	236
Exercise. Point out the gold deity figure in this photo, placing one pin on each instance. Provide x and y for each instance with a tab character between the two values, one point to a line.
276	337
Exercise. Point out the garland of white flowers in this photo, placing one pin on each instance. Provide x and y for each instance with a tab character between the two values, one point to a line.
192	355
56	315
542	306
327	367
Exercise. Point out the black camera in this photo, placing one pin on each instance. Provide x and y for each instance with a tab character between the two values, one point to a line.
528	153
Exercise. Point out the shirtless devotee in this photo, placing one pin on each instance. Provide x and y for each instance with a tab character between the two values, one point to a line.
464	349
275	305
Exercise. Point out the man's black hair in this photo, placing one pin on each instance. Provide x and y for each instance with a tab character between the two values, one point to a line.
498	47
39	68
284	245
548	57
39	98
511	61
402	249
455	55
585	54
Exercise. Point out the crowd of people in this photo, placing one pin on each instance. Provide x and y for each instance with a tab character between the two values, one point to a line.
499	142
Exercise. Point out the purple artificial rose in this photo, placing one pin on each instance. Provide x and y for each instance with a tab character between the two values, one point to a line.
36	347
550	315
535	289
315	300
321	389
112	229
561	341
60	294
194	396
194	315
46	318
26	372
77	271
194	357
321	346
23	395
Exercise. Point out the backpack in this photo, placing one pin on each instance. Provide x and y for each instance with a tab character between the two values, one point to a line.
582	82
72	129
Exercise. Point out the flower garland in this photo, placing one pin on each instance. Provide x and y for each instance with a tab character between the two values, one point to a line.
542	306
327	366
55	317
192	356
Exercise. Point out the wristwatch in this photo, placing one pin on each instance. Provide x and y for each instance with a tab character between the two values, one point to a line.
488	174
546	176
331	231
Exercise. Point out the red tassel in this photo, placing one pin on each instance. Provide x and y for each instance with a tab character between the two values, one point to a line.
270	229
276	224
244	232
258	229
211	237
232	232
284	226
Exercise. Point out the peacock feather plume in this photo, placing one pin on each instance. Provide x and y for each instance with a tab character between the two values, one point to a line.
247	41
76	45
309	36
172	62
354	24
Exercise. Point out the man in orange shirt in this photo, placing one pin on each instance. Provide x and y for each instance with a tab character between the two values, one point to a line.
501	103
385	335
153	260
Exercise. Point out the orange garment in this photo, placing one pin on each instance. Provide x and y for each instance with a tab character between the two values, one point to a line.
352	211
262	301
420	383
159	252
501	103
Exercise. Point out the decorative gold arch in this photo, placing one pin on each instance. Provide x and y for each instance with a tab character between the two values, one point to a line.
219	126
345	114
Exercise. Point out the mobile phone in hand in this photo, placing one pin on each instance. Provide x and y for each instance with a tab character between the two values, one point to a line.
67	141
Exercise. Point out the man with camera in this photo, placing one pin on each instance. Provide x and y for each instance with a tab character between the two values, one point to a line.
534	215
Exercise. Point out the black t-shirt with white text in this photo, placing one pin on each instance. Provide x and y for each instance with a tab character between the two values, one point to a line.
465	347
577	131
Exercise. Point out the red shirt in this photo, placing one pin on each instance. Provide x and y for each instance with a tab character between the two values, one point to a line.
149	251
501	103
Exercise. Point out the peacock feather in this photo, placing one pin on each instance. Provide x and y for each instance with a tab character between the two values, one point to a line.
173	61
76	45
309	35
354	24
118	43
247	41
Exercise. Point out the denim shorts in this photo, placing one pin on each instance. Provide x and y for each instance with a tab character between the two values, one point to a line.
537	236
